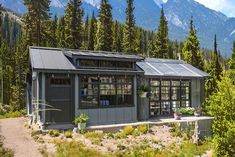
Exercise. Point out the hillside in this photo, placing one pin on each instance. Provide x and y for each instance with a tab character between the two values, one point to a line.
178	12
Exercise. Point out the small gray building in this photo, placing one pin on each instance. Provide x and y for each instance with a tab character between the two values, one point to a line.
103	85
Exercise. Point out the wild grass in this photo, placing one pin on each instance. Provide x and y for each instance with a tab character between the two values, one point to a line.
76	149
5	152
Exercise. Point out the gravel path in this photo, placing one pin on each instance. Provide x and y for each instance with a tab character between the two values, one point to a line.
18	138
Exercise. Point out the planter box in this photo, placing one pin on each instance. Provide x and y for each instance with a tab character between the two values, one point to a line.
81	126
177	116
144	95
197	114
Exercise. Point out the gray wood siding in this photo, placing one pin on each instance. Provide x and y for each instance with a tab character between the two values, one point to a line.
110	115
196	93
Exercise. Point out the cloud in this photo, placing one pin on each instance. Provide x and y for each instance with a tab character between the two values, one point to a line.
225	6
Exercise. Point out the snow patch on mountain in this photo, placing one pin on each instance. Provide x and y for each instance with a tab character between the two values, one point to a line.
58	3
233	32
159	2
94	3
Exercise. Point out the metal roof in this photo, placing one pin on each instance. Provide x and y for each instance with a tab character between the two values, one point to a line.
102	55
61	59
169	68
49	59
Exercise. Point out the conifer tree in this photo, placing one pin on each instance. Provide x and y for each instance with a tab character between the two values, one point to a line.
60	33
73	24
86	33
139	41
232	60
215	71
191	50
161	38
104	32
115	37
129	28
38	13
92	31
216	63
50	32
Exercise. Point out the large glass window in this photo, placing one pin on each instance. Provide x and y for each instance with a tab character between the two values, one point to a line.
106	91
124	90
167	95
89	91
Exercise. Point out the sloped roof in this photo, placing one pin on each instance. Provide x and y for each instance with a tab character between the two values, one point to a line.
52	59
171	68
60	59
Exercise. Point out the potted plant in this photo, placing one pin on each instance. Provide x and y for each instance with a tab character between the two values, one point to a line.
177	114
198	111
143	91
81	121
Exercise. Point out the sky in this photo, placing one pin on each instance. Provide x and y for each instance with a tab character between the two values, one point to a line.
225	6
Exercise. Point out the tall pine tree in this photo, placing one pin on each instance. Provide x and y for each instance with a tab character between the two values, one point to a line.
60	33
232	60
86	33
104	38
73	24
129	28
216	66
161	38
215	71
191	50
92	32
34	19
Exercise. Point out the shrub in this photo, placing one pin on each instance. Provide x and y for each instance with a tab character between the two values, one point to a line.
36	132
143	128
175	130
81	119
128	130
11	115
54	133
186	111
136	132
68	134
94	135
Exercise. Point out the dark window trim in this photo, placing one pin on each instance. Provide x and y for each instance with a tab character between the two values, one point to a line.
103	67
98	84
160	101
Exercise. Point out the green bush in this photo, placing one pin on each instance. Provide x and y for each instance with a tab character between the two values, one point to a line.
94	135
175	130
128	130
143	128
54	133
81	119
11	115
68	134
186	111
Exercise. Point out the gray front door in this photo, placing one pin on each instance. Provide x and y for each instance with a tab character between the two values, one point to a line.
58	95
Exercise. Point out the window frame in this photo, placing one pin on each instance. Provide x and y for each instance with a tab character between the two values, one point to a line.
99	106
186	83
99	66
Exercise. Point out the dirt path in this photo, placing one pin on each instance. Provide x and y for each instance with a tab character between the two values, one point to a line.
17	138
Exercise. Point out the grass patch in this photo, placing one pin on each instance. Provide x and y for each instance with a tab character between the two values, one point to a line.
54	133
95	137
76	149
11	115
5	152
68	134
187	149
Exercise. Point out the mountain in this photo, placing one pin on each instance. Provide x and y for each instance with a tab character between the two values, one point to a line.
178	12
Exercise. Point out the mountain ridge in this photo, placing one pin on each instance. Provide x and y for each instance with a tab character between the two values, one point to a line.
178	13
